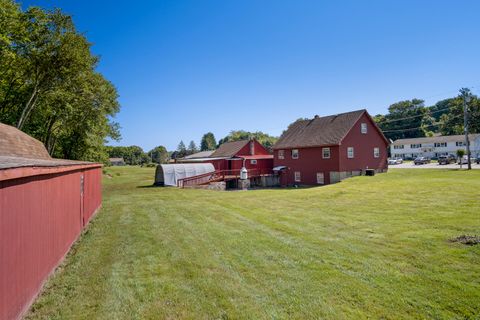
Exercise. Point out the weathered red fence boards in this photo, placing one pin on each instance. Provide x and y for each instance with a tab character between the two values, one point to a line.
41	216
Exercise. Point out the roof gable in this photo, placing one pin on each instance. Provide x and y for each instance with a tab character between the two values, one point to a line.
229	149
321	131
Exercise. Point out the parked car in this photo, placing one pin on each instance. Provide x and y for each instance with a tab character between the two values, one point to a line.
392	161
399	160
421	160
464	160
447	159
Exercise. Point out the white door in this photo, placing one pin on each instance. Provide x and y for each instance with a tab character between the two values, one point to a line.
320	178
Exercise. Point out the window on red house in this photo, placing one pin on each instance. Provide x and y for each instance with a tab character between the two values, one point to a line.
326	153
350	152
281	154
294	153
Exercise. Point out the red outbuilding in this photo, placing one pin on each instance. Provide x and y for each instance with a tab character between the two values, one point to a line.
44	205
329	149
232	156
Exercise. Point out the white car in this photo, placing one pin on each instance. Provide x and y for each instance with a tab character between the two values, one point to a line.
392	161
464	160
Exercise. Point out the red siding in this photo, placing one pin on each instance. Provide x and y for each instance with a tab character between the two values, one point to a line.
363	145
228	164
92	195
258	149
40	217
309	163
261	164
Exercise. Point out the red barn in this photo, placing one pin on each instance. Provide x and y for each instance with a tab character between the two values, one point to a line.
236	154
328	149
44	205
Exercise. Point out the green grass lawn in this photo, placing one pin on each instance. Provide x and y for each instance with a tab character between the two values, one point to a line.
368	247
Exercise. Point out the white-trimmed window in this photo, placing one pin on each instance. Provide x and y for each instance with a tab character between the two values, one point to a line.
298	177
253	161
364	128
294	153
350	153
376	152
400	146
281	154
416	146
326	153
460	143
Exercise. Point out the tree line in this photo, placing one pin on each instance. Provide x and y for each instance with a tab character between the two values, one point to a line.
49	86
208	142
134	155
405	119
412	119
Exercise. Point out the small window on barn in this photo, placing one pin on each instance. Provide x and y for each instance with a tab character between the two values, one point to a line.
294	153
364	128
253	161
281	154
326	153
376	152
350	152
297	176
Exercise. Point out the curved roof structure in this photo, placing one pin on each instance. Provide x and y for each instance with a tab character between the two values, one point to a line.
29	155
169	174
15	143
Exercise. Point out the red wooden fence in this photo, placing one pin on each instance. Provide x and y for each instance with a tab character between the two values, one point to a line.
40	218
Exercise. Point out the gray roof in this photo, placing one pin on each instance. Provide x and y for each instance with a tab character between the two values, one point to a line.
7	162
319	131
453	138
201	154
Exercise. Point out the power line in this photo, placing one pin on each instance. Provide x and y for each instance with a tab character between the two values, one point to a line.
412	129
412	117
438	94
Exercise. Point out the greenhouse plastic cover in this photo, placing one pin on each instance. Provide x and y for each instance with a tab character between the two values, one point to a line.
169	174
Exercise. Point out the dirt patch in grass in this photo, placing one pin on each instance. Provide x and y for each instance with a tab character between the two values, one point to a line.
467	240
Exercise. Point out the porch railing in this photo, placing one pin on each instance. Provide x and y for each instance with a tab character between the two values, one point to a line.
220	175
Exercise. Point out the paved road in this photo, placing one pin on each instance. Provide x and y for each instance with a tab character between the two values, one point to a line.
432	165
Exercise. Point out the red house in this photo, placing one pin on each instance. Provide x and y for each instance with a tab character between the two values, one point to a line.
328	149
236	154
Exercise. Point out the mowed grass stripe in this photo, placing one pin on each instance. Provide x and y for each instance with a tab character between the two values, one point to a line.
369	247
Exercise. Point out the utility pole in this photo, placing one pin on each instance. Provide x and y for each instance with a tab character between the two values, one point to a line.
466	99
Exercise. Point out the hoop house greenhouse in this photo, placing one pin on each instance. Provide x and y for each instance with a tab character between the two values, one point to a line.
169	174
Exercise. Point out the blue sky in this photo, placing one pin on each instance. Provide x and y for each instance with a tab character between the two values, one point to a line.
183	68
